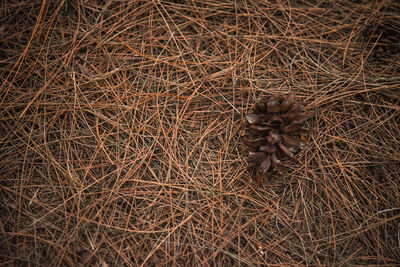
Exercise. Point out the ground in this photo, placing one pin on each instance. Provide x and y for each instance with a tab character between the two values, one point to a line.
121	123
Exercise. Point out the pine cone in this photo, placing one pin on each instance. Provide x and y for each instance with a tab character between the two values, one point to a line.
273	131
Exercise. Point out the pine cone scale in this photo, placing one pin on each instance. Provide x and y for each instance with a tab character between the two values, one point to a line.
254	118
264	167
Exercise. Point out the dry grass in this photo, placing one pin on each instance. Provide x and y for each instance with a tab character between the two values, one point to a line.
120	131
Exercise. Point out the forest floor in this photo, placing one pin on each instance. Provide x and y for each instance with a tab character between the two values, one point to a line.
121	122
